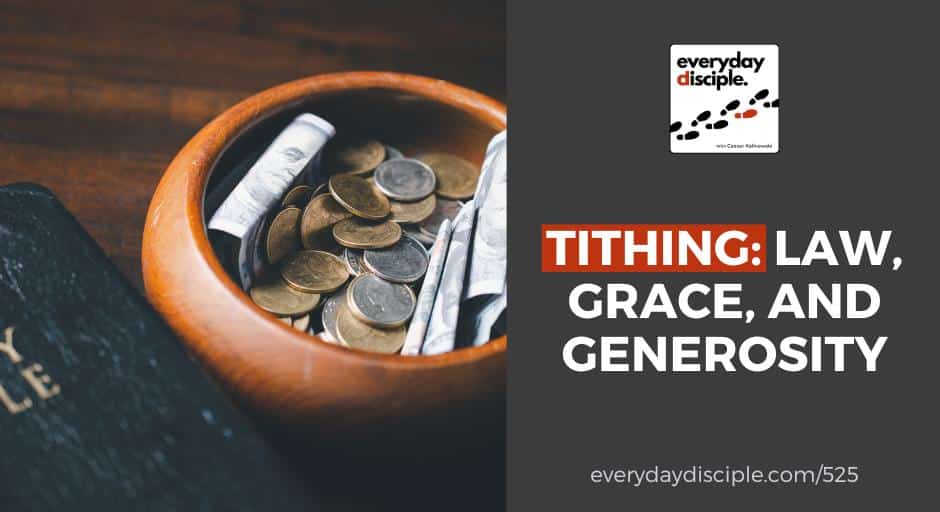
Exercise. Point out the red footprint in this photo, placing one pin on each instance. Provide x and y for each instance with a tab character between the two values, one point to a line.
746	114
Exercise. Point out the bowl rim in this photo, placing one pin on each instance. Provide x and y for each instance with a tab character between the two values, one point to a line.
198	158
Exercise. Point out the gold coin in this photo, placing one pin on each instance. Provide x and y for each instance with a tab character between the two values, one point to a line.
297	196
272	294
456	177
314	271
322	188
412	213
359	197
317	221
302	323
357	334
362	234
351	155
283	236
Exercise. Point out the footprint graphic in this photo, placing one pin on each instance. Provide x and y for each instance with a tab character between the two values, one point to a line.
688	136
675	126
701	117
721	123
775	103
747	114
730	106
761	94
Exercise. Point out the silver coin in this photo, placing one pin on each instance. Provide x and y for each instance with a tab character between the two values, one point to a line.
330	307
444	209
405	179
378	302
353	260
404	262
391	153
324	335
413	231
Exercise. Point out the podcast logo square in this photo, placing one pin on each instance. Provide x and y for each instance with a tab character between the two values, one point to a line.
724	98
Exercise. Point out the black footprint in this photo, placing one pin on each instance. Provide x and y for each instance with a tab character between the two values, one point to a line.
721	123
701	117
775	103
761	94
675	126
688	136
730	106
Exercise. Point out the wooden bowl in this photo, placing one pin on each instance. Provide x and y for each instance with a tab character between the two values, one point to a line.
290	377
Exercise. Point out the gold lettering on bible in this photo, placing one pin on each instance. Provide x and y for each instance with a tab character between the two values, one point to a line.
32	373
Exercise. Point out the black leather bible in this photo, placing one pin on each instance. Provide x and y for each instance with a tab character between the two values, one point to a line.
100	406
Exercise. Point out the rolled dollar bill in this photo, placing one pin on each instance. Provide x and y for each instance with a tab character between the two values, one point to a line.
271	175
224	187
432	278
255	249
442	325
485	294
494	165
477	318
487	265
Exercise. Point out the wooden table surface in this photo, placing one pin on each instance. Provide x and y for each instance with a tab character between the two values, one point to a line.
96	98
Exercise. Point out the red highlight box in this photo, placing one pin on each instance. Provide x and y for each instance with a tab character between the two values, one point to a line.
654	247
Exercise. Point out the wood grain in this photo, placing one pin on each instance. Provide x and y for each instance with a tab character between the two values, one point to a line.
97	97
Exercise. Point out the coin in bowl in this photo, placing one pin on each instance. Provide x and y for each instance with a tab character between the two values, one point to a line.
362	234
359	197
378	302
456	177
357	334
353	260
404	262
353	155
392	152
314	271
297	196
405	179
274	295
331	306
283	235
412	213
444	209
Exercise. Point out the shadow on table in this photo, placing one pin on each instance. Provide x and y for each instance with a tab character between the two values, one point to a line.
459	464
